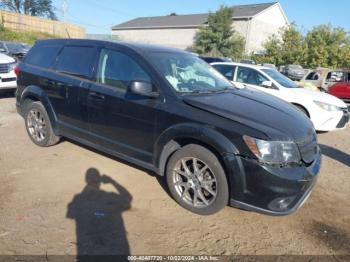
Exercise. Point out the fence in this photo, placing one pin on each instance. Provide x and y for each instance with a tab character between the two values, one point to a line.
18	22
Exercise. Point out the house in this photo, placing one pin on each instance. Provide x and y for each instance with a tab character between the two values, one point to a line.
255	22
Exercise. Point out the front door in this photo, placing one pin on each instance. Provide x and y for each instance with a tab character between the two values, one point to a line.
120	121
252	78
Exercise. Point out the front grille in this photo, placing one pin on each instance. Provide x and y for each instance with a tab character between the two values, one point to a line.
11	79
4	68
308	148
345	119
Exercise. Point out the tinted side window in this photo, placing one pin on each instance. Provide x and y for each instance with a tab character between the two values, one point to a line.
313	76
226	70
76	60
2	46
42	56
118	70
310	76
336	76
250	76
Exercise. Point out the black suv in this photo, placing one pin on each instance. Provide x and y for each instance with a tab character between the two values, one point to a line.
168	111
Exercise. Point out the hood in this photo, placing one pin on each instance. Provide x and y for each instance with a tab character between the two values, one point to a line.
5	59
319	96
277	119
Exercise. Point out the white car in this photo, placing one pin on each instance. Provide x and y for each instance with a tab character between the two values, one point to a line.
326	112
8	79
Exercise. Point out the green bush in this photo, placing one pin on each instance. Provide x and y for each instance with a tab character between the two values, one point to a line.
23	37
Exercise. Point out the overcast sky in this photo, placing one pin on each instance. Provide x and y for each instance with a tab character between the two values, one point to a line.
98	16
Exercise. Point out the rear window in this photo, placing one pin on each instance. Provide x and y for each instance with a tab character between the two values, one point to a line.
76	60
42	56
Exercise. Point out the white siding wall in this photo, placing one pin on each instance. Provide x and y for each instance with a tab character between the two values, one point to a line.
263	26
178	38
256	32
241	27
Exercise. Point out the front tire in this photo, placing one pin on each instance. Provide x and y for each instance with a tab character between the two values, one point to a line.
197	180
38	125
303	110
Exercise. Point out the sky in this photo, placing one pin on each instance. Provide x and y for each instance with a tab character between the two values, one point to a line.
98	16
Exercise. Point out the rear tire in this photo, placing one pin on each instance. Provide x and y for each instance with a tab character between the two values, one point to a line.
38	125
197	180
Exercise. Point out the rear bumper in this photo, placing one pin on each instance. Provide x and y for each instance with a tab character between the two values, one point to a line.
272	191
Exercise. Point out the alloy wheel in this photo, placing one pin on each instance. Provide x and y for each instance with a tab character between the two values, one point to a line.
195	182
36	125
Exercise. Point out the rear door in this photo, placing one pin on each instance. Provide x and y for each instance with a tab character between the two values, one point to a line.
67	90
227	71
120	121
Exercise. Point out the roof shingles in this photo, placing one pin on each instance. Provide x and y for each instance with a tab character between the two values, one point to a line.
194	20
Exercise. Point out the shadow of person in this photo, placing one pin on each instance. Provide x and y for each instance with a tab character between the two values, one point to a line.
336	154
98	217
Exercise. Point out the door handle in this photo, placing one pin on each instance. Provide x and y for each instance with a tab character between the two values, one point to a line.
96	96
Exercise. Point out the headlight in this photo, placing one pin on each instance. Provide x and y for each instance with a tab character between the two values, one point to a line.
12	66
327	107
273	152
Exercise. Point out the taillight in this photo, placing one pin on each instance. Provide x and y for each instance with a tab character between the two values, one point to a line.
17	71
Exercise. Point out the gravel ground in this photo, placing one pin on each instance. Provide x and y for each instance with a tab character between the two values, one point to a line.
46	206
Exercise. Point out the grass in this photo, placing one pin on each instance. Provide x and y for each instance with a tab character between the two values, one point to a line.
23	37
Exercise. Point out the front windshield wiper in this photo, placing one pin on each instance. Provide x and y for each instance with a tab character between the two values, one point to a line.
230	88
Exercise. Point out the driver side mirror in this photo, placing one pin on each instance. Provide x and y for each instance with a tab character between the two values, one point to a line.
143	88
2	50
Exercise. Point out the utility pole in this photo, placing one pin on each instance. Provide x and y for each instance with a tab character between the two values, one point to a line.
65	9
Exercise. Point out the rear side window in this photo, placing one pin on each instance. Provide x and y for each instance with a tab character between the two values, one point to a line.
76	60
42	56
118	70
227	70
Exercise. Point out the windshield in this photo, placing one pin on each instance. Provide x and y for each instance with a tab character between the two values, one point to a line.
281	79
17	47
189	74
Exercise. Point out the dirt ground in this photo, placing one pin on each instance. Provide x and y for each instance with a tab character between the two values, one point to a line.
46	206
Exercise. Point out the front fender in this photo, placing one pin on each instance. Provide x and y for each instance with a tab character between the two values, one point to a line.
37	94
166	143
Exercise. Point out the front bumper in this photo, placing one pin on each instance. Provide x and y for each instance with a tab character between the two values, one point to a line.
329	121
276	191
8	81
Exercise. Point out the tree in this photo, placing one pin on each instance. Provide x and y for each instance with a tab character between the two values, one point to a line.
218	38
286	48
327	47
292	45
43	8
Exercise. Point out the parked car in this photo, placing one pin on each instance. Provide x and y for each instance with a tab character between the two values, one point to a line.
325	78
247	61
210	59
14	49
294	72
341	89
7	73
270	65
326	112
172	113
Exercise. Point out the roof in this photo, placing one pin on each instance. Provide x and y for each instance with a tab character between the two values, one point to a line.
193	20
137	47
242	64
